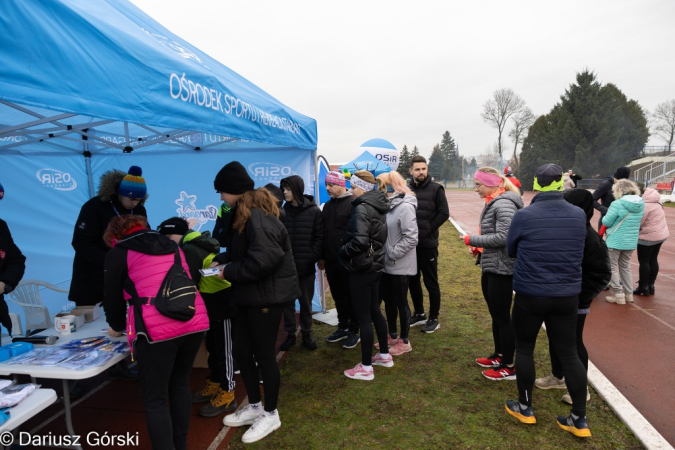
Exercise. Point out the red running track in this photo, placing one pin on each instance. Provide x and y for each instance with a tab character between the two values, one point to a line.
630	344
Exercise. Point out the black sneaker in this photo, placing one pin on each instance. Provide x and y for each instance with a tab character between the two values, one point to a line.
578	427
288	343
338	335
418	319
431	326
308	342
352	340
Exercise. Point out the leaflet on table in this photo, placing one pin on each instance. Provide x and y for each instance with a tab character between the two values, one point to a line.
85	359
70	358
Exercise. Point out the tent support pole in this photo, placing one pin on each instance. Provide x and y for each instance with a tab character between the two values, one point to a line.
322	285
87	160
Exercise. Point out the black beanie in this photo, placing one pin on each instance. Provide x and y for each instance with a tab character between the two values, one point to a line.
621	173
233	179
275	191
174	225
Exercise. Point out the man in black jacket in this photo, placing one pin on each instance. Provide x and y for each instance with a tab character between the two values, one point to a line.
604	192
304	223
12	267
432	212
336	213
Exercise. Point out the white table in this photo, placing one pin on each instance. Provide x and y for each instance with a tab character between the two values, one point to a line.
90	329
37	401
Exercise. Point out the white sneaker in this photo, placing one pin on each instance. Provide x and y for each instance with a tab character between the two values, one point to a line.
619	299
245	416
550	382
567	398
265	424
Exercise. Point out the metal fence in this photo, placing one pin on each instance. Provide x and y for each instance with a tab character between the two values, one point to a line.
590	183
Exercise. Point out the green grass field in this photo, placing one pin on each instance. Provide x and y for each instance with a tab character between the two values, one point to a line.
434	397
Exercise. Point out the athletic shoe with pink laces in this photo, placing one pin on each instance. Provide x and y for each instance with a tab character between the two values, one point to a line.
400	348
359	373
379	360
390	342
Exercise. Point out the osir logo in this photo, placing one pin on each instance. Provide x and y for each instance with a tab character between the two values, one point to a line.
55	179
269	172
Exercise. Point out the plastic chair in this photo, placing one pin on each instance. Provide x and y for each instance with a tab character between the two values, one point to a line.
27	295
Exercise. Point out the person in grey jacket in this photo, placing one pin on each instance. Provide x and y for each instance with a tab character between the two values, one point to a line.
400	259
502	201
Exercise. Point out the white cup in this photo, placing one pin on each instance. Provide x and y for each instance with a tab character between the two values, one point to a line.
65	324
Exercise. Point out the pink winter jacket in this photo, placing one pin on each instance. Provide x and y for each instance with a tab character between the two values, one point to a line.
653	226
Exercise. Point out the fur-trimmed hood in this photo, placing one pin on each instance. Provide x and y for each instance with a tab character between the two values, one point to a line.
624	187
110	183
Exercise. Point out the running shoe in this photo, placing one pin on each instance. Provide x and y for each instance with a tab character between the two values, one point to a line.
418	319
578	427
379	360
338	335
400	348
359	373
431	326
550	382
494	360
524	415
500	373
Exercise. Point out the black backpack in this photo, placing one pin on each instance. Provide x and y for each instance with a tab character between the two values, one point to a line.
177	293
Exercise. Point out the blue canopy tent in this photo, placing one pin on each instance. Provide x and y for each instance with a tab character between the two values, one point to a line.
366	161
91	85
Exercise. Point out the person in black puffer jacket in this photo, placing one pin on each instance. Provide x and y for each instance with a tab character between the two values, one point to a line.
304	223
362	255
262	272
12	267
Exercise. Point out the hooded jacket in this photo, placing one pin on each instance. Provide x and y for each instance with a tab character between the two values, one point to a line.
261	267
400	257
432	211
595	268
200	250
495	221
12	267
367	226
568	183
336	213
86	285
305	227
136	267
624	236
603	193
547	239
653	227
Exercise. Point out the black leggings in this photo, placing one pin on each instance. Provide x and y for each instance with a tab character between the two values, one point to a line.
649	263
254	339
560	315
556	365
365	291
498	293
394	291
164	373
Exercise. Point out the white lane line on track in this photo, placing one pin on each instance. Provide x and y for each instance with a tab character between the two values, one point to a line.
653	316
624	409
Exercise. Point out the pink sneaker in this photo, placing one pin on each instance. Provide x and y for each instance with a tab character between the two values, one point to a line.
379	360
400	348
390	342
359	373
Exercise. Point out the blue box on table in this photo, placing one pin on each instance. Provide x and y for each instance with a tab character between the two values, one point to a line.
15	348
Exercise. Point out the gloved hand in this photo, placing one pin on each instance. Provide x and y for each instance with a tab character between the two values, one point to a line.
603	229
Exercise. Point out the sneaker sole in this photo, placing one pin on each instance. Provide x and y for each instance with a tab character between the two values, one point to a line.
400	353
523	419
491	366
384	364
232	407
583	433
238	424
352	346
360	377
271	430
336	340
509	378
418	323
558	386
431	331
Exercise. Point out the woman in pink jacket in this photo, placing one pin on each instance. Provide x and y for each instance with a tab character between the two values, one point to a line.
164	347
653	232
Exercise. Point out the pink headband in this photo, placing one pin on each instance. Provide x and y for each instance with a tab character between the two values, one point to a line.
488	179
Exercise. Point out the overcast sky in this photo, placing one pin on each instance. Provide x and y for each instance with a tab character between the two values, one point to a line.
406	71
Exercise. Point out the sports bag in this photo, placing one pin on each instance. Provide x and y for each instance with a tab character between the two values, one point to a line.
177	293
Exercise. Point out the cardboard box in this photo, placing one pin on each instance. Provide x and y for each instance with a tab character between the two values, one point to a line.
79	317
91	313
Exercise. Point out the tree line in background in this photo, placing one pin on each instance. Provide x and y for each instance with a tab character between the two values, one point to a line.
445	163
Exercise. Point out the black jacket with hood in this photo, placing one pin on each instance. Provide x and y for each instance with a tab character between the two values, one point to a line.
86	286
12	267
367	226
595	268
336	213
305	227
604	194
432	211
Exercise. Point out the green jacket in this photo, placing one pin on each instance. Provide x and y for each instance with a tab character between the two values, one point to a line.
625	235
200	249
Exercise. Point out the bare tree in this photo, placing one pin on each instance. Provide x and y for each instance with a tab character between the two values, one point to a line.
521	123
663	121
497	111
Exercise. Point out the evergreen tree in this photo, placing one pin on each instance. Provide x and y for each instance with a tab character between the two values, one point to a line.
404	161
452	165
415	152
436	163
593	130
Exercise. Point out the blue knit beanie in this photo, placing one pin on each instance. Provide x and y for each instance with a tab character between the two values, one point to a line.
133	184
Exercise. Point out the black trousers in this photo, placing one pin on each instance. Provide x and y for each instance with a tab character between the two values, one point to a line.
560	316
649	263
305	300
219	345
365	289
556	365
255	339
427	267
394	292
338	280
498	294
164	372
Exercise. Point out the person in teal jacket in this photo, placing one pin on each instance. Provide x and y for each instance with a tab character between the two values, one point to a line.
622	226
